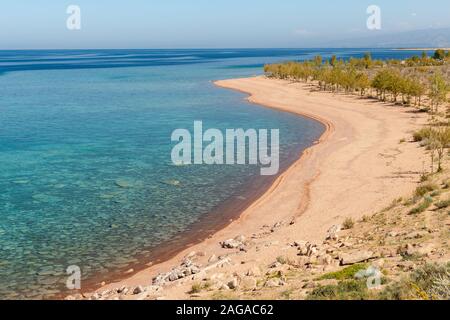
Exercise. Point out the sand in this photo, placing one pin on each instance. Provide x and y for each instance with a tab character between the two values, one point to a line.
358	167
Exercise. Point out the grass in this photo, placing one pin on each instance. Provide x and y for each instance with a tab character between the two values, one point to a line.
443	204
346	273
422	134
345	290
199	287
424	189
282	260
431	282
426	203
348	224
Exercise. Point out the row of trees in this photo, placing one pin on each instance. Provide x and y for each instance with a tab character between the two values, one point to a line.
365	74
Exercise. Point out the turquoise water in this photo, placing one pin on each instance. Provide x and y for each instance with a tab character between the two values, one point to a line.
85	171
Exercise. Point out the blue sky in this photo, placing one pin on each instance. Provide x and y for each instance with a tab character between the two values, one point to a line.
29	24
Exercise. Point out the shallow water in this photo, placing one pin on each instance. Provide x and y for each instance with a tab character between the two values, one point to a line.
85	171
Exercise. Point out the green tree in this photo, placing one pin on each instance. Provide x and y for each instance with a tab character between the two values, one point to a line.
439	54
438	91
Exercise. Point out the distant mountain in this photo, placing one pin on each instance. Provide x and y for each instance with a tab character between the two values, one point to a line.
427	38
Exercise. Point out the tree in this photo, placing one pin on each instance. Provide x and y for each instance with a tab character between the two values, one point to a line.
368	60
439	142
333	61
438	91
318	60
439	54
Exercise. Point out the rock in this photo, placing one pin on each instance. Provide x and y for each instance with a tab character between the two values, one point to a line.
303	248
355	257
325	260
388	252
418	249
173	276
174	183
276	226
213	259
393	234
309	285
416	235
138	290
300	243
273	283
248	283
95	296
233	284
230	244
224	287
74	297
332	233
123	183
254	272
407	265
274	265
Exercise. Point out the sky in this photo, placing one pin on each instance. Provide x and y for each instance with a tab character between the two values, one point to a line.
41	24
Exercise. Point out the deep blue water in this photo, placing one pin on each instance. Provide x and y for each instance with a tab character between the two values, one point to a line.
85	171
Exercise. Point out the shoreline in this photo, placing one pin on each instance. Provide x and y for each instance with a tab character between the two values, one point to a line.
220	218
289	196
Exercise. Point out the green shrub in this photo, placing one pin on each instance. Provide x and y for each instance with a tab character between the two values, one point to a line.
345	290
443	204
346	273
422	134
426	203
431	282
424	189
348	224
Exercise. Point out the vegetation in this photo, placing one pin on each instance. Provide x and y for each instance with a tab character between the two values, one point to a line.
344	290
407	82
346	273
348	224
431	282
426	203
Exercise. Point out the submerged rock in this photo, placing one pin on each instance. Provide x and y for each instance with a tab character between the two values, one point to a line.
122	183
174	183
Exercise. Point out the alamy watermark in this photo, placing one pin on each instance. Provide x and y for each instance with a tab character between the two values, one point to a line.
74	280
236	146
373	276
74	20
374	20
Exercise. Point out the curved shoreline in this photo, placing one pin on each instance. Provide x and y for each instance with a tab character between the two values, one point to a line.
347	158
196	235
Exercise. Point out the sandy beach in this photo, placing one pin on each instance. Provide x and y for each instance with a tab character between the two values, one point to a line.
358	167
